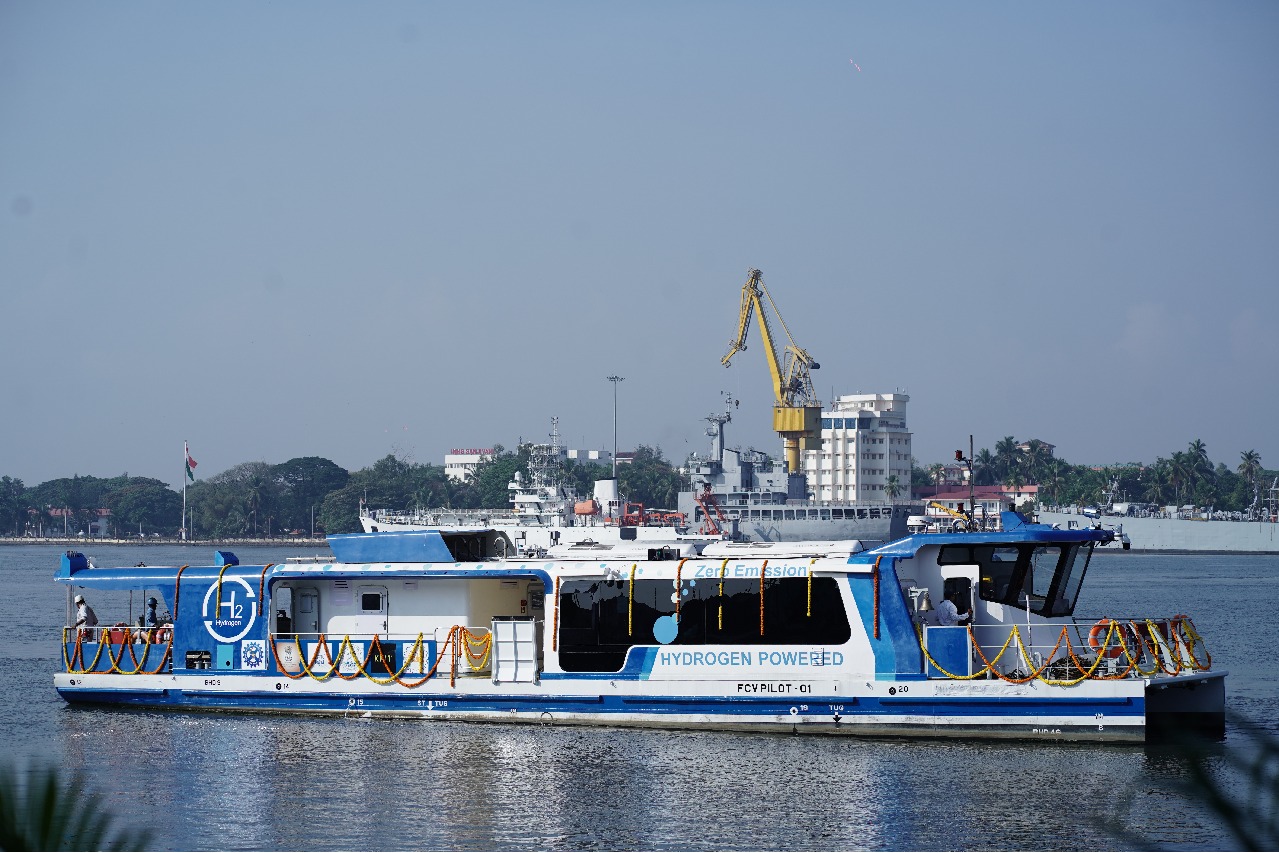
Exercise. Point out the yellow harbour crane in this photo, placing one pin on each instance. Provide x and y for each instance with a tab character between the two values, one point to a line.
797	412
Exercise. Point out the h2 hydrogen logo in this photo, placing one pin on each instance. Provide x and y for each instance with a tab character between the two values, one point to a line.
232	615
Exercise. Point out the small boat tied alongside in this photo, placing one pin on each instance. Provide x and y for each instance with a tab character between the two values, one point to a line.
805	637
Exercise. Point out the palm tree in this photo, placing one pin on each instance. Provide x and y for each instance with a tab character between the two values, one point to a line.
1181	472
1014	481
984	468
1250	466
253	498
1053	480
1008	457
892	487
1035	458
1199	450
936	472
1158	481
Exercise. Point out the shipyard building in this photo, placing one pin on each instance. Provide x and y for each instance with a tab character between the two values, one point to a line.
864	443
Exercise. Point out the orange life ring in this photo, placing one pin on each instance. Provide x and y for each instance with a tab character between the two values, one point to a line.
1098	635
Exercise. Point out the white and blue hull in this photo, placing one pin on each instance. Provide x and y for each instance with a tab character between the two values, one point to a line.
906	708
739	637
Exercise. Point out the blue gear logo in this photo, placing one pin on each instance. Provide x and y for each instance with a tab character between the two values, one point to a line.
252	655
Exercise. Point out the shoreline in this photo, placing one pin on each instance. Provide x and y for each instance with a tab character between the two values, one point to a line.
78	542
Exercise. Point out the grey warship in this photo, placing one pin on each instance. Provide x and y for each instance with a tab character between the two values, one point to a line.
749	495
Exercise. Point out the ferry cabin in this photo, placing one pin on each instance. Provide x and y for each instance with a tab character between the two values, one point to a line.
803	637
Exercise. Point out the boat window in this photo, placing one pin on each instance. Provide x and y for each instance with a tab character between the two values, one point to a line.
1070	575
837	513
1040	570
1044	578
998	565
371	602
601	620
955	555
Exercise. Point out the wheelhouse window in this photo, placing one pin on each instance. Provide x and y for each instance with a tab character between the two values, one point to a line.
601	620
1044	578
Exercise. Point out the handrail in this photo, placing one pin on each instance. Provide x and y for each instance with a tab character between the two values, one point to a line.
475	644
149	637
1166	647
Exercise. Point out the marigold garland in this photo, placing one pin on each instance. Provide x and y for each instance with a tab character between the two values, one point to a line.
722	567
218	602
322	643
1115	634
874	580
810	587
630	603
1183	625
262	587
761	597
555	618
679	586
177	590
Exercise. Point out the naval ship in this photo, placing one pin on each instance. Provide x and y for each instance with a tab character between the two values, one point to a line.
747	494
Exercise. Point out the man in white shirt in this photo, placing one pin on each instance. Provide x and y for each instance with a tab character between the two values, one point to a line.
948	613
85	618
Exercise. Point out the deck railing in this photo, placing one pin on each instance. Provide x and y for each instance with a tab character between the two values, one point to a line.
123	650
1068	653
406	660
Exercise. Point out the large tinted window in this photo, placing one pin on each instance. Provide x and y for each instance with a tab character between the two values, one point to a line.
599	621
1069	577
1044	576
1040	570
998	571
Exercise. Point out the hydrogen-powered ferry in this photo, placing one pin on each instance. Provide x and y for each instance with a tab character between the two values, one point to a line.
820	638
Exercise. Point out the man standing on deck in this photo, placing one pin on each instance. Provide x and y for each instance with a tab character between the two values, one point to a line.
85	618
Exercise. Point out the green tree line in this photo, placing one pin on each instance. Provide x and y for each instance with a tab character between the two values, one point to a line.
1183	477
300	496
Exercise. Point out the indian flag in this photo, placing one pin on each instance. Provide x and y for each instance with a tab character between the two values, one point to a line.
191	463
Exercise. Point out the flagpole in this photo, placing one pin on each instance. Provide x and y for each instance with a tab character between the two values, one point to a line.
185	454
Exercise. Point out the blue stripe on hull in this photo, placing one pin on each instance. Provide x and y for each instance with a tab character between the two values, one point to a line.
818	708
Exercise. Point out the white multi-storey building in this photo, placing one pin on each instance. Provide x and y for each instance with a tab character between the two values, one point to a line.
864	443
460	463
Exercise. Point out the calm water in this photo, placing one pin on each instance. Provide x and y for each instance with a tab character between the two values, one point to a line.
228	782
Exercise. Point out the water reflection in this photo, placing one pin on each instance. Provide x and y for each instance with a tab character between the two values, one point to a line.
215	781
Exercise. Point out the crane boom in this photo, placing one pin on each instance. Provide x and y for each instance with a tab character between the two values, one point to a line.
796	409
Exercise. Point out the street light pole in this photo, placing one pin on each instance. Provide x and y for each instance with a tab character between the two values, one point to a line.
615	380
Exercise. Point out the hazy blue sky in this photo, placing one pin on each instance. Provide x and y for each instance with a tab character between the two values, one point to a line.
344	230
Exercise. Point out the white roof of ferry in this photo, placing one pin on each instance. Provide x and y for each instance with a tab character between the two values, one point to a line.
770	550
638	550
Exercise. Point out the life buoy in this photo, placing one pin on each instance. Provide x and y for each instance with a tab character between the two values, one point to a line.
1098	635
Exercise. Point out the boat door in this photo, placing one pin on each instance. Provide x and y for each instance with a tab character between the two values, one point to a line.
306	610
372	618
